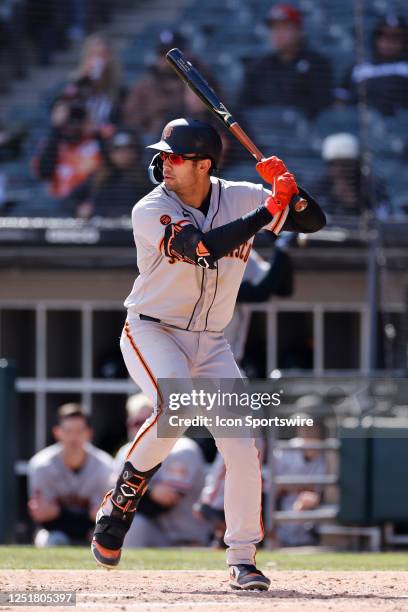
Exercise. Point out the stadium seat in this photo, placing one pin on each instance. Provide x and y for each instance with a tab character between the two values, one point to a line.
332	120
241	172
387	168
228	73
349	119
398	191
279	117
306	168
34	202
279	129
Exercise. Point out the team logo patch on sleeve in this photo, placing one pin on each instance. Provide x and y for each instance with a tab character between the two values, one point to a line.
165	219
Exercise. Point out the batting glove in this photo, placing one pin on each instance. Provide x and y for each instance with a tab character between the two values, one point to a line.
270	168
283	189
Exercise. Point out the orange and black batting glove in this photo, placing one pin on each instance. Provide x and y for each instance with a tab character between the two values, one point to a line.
283	189
270	168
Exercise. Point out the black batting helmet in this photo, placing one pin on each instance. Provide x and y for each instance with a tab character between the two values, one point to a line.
187	136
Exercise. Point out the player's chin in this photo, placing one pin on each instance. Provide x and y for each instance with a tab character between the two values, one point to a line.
169	181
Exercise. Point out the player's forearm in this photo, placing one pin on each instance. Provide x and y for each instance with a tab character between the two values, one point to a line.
222	240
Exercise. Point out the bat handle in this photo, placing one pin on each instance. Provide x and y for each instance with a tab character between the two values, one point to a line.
245	140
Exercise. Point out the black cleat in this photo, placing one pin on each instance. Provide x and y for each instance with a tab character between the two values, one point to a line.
104	556
110	530
247	577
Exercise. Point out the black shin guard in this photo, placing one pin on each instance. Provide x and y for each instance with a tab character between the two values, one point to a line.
110	530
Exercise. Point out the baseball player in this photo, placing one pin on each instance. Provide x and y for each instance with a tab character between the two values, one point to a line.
193	236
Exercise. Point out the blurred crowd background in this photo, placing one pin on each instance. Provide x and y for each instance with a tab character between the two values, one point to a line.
84	87
323	85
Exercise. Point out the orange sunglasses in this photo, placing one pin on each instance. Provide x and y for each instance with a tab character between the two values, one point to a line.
177	158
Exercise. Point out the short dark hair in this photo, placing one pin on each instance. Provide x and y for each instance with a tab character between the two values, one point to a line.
70	411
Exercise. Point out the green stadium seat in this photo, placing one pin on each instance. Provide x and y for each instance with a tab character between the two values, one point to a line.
241	172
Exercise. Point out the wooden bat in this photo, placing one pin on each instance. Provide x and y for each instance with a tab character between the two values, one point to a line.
192	77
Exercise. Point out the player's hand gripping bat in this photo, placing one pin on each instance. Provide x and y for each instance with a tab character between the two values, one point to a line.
192	77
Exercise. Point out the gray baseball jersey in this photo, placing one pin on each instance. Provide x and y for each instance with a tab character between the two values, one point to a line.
184	470
48	474
180	294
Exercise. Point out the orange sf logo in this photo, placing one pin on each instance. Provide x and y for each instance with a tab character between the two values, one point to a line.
167	132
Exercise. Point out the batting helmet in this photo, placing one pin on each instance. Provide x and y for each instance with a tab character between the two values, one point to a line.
186	136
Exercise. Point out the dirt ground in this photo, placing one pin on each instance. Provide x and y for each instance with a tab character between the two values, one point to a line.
179	591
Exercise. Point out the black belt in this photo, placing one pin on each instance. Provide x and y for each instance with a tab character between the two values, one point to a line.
143	317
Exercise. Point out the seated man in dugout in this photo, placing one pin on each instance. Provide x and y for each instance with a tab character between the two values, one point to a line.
302	462
66	482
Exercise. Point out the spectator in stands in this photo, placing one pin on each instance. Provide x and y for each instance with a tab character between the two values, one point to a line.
67	481
160	94
291	74
383	80
98	82
301	462
114	188
71	152
164	516
344	189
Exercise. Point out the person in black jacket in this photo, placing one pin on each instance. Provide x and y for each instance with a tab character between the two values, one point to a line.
382	80
98	82
292	74
71	152
113	189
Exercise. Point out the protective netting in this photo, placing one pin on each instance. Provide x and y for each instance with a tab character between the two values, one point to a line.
324	85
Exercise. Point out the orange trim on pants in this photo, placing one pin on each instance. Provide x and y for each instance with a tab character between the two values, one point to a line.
153	381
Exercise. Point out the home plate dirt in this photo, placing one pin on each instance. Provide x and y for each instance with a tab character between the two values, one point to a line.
179	591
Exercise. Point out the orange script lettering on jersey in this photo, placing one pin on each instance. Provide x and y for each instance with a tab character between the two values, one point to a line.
241	252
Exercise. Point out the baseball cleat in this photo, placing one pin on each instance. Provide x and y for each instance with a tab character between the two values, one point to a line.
104	556
247	577
110	529
107	541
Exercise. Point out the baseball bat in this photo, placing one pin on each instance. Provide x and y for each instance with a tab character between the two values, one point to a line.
194	79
